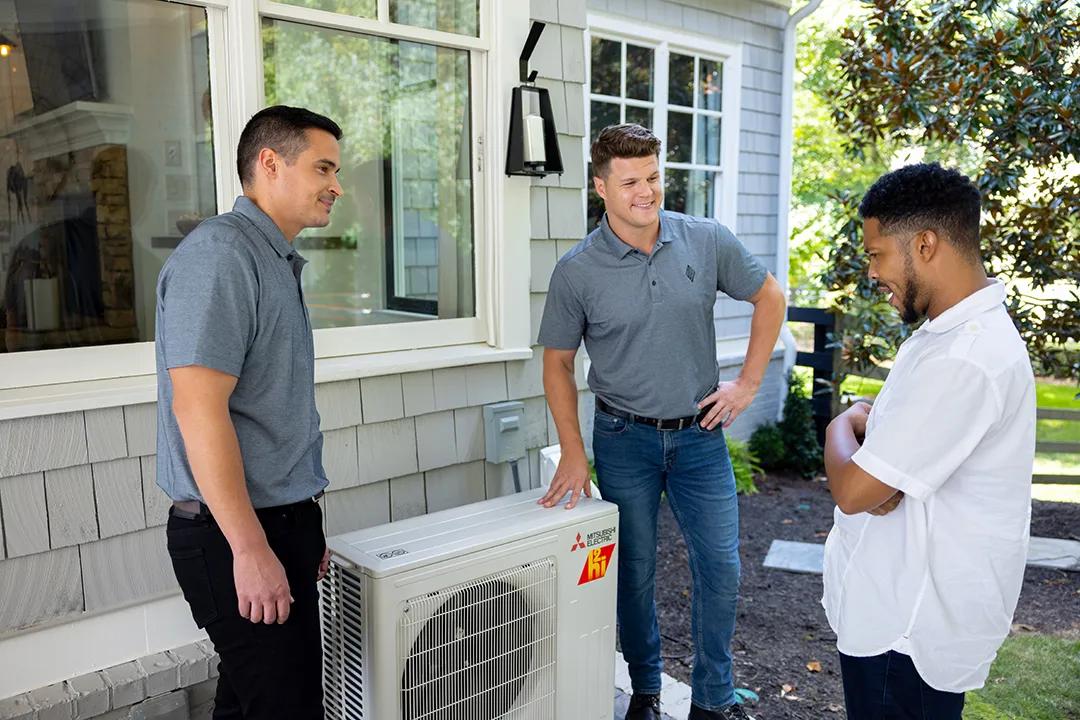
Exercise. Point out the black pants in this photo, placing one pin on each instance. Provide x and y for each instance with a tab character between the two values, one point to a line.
888	687
266	671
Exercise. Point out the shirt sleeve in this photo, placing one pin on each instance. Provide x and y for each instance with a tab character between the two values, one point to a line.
738	273
208	314
931	424
563	324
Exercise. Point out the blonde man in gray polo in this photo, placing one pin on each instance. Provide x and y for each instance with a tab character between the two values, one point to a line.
640	290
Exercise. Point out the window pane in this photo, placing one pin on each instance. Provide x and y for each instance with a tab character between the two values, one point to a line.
400	243
710	83
680	127
708	140
359	8
601	114
639	72
639	115
675	180
690	191
681	80
454	16
605	67
96	199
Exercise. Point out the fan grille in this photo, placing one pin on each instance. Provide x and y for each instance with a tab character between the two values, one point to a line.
483	650
343	668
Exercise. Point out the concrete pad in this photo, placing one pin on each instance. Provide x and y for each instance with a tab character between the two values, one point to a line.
797	557
674	695
1054	553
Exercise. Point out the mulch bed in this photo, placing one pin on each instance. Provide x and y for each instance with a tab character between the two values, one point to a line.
781	625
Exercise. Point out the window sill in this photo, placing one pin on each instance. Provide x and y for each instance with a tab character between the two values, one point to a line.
39	400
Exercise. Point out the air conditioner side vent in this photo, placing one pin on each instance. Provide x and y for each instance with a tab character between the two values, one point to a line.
342	629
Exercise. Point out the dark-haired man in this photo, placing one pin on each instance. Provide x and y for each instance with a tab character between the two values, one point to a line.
640	291
239	446
925	560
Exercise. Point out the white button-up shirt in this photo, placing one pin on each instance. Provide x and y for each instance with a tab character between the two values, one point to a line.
938	578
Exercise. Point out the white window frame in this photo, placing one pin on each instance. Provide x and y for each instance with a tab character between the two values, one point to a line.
500	328
664	42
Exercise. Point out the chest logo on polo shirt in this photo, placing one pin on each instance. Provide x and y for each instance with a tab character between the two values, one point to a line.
690	273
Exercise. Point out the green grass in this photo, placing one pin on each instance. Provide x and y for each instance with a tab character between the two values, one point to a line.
1033	678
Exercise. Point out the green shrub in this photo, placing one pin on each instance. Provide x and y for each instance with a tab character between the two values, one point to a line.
802	451
744	465
767	444
792	444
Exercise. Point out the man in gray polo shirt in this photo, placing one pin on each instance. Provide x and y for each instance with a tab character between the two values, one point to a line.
239	446
640	291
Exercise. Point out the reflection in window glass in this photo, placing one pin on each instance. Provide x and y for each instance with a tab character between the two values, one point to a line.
96	200
681	80
359	8
639	72
453	16
399	246
641	116
602	114
605	67
680	129
709	85
708	140
690	191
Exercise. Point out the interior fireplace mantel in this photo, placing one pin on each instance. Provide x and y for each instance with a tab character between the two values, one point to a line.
73	127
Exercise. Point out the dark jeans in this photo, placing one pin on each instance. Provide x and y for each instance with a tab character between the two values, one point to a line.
266	671
887	687
635	465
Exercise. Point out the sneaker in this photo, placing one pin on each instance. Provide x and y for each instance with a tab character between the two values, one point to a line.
643	707
734	711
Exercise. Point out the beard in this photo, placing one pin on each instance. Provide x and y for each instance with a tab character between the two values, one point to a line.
908	313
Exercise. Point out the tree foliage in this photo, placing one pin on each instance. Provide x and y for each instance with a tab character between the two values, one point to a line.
994	89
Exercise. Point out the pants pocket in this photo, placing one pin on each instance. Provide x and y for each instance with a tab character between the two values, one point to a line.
191	571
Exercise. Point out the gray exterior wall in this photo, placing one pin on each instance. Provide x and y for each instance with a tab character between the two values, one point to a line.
82	520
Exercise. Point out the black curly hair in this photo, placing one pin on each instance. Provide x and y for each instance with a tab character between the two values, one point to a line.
926	196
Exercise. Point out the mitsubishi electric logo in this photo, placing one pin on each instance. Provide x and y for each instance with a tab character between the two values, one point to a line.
578	544
690	273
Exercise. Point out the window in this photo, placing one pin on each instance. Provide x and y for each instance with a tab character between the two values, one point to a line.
108	157
119	133
399	247
687	97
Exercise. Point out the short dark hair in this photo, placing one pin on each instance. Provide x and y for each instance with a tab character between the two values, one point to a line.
282	129
926	196
621	141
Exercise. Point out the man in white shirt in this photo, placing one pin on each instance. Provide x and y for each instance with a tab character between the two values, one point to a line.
924	564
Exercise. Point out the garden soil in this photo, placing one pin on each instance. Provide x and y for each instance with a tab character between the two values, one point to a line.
784	649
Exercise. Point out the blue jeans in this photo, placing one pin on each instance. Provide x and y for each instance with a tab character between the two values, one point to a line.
635	464
888	687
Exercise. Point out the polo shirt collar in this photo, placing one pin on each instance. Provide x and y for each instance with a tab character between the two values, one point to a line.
247	207
620	249
970	307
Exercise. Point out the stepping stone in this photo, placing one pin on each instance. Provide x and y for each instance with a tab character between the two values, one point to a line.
797	557
1054	553
809	557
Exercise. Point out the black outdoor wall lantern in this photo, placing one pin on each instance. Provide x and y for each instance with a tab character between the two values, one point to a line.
533	148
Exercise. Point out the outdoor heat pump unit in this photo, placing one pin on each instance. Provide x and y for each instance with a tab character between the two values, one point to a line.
498	610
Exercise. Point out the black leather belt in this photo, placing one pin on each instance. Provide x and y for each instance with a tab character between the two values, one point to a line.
660	424
195	510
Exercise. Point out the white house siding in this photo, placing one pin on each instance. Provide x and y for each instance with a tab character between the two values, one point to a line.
82	519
